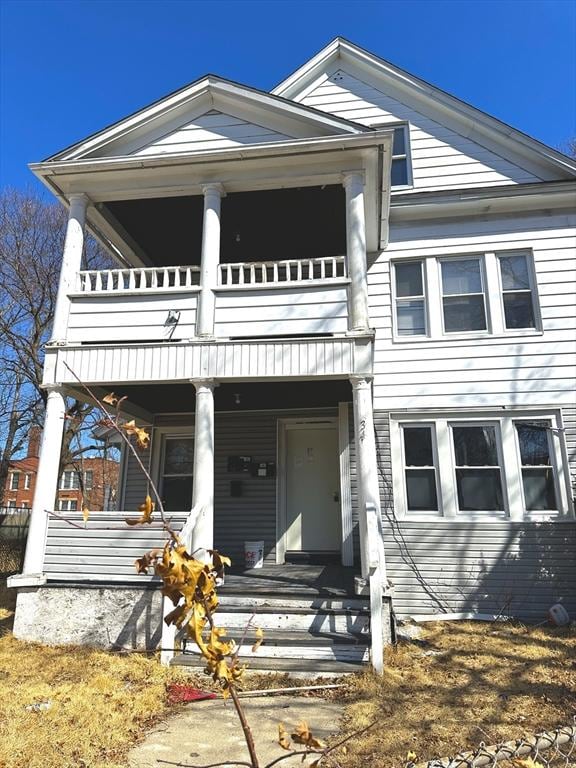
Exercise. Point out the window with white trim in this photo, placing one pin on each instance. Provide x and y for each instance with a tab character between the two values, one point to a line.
70	481
68	505
453	296
501	465
88	479
176	473
11	504
26	482
401	175
14	481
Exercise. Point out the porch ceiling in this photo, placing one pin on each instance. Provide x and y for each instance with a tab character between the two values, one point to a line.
276	224
256	396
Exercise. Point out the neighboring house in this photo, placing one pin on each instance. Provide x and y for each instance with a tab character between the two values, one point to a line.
346	301
91	483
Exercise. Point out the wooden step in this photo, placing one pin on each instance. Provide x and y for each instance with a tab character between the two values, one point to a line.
299	644
295	667
256	602
322	620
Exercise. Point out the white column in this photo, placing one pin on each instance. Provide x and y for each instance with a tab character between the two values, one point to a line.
210	258
203	481
71	265
356	251
46	481
366	459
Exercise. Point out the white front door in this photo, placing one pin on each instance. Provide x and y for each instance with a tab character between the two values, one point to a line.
313	519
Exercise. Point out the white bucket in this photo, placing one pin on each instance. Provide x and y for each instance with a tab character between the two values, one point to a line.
253	554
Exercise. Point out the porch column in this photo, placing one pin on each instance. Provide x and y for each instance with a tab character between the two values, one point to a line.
46	481
353	183
366	459
203	481
210	258
71	265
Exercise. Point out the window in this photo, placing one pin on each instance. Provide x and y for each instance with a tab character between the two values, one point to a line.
477	464
70	480
448	296
516	291
14	481
420	472
463	304
176	480
410	299
26	482
88	479
68	505
501	465
11	504
537	466
400	174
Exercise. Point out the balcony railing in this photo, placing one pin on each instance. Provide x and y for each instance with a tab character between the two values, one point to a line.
252	299
275	272
144	279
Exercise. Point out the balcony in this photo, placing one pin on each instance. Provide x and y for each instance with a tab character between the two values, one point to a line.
256	300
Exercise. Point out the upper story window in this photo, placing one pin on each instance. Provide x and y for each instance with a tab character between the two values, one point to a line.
504	465
88	479
490	293
517	291
70	480
401	174
14	481
67	505
26	482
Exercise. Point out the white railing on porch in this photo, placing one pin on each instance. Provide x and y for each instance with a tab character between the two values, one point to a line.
141	279
376	573
275	272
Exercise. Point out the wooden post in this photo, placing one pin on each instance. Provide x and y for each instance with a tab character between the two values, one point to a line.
210	259
46	481
71	264
356	251
203	490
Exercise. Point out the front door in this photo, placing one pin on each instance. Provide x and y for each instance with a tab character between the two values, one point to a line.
313	519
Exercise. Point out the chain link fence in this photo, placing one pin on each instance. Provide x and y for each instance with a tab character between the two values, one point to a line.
549	749
13	534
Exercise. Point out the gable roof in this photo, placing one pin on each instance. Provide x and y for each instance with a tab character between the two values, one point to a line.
208	93
340	52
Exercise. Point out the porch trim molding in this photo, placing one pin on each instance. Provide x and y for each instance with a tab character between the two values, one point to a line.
345	480
249	359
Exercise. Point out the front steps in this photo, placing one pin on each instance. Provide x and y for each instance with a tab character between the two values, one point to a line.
315	635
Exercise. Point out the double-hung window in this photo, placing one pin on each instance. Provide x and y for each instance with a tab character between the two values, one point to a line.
176	473
501	465
401	171
14	481
68	505
463	301
70	480
448	296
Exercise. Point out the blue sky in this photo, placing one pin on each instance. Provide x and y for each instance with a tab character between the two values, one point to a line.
71	67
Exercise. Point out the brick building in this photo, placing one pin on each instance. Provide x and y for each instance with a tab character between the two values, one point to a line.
96	478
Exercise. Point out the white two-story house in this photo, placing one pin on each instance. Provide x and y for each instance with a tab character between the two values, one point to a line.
345	310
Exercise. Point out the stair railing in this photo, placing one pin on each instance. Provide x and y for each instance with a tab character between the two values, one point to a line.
377	575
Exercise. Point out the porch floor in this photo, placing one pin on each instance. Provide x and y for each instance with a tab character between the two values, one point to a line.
291	580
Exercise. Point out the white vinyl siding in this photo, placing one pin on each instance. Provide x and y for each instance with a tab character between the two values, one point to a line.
213	130
521	367
441	158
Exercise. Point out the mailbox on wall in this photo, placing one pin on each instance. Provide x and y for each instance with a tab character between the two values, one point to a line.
239	463
264	469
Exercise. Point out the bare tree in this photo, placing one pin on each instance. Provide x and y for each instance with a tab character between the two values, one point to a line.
32	235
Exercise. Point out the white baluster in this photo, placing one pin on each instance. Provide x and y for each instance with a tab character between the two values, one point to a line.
154	279
98	281
131	279
252	274
275	272
299	270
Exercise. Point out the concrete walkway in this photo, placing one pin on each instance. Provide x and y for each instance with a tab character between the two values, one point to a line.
209	732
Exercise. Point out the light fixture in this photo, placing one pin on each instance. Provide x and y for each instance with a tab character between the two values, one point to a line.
236	398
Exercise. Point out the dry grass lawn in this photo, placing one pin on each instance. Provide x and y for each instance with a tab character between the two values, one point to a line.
484	682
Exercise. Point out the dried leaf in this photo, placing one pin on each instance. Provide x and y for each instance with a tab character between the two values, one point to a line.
283	738
110	399
142	437
303	735
526	762
260	637
411	756
85	514
147	508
